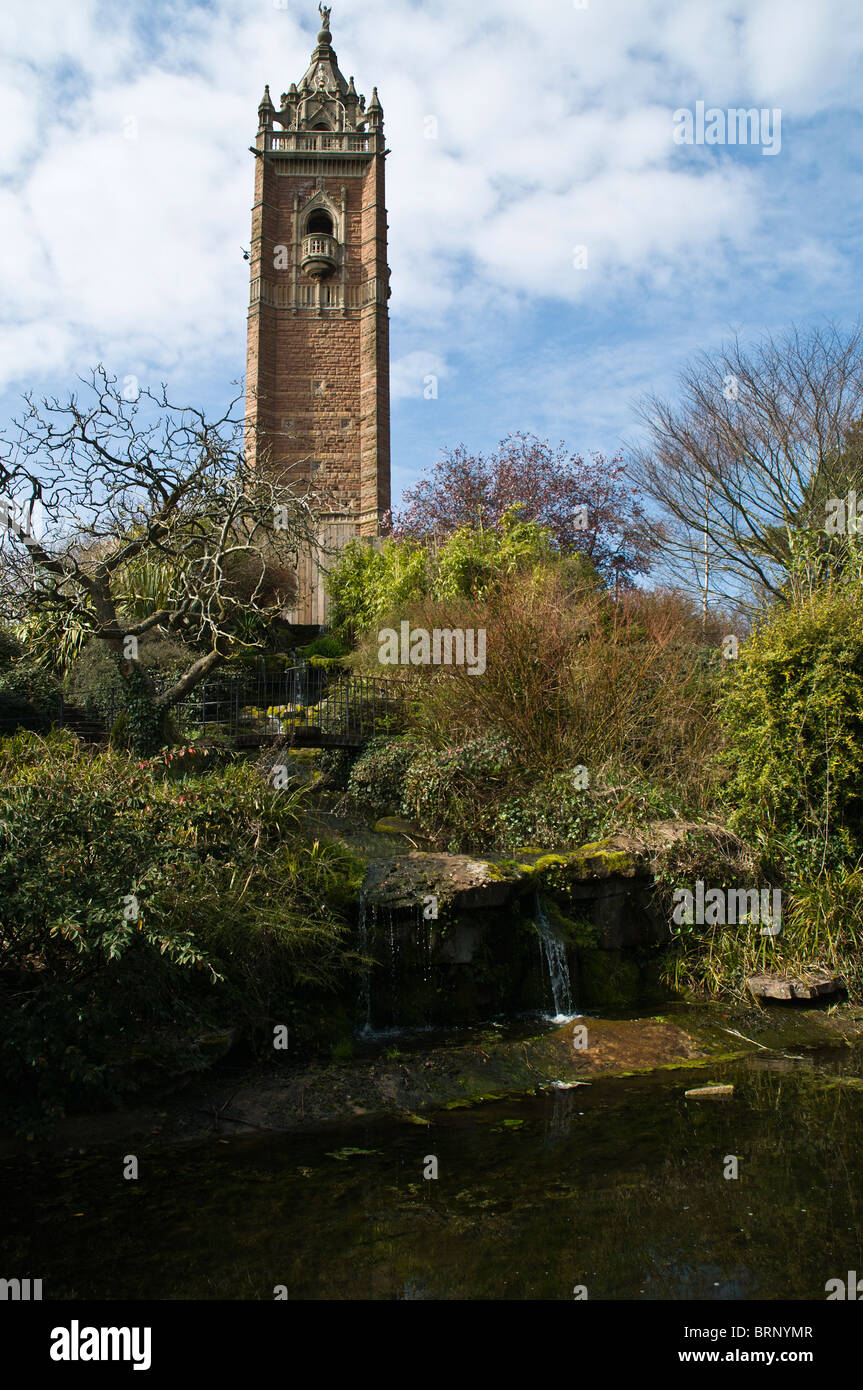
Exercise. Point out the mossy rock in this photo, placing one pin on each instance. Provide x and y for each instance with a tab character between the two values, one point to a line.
600	860
576	931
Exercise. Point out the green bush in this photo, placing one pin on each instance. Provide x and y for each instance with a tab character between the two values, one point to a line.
555	813
793	717
136	908
444	789
376	781
368	581
93	680
21	682
328	645
335	766
10	648
371	583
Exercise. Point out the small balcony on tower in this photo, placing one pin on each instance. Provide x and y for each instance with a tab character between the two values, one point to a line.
319	254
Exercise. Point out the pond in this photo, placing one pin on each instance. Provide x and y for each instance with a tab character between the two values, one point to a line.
617	1188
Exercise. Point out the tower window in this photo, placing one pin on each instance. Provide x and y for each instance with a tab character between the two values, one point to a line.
320	222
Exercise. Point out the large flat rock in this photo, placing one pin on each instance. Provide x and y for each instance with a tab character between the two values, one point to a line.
767	986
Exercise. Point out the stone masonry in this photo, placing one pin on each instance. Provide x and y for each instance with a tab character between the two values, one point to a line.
317	373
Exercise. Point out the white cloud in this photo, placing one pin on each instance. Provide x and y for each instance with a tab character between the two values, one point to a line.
411	375
553	131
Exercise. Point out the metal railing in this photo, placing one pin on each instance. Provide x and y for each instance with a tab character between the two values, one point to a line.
310	706
307	705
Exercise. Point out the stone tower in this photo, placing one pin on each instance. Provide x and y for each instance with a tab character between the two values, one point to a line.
317	377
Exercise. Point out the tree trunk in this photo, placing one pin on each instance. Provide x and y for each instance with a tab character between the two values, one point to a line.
146	713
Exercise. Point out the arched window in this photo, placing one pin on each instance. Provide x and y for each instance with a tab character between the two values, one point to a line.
320	221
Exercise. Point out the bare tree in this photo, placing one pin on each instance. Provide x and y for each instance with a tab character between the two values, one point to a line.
122	517
744	464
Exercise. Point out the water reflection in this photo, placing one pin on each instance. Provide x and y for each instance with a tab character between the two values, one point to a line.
618	1186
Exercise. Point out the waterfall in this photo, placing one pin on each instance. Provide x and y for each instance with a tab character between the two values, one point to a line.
554	951
376	929
365	996
395	952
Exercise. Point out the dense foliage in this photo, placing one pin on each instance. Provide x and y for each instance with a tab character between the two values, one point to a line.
587	710
793	713
587	506
373	584
140	910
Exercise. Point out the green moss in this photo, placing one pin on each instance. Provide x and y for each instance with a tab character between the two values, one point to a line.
559	873
608	979
504	869
577	931
607	860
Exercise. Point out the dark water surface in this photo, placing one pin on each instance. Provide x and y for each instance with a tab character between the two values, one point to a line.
617	1186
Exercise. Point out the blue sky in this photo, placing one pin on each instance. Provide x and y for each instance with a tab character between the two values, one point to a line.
125	190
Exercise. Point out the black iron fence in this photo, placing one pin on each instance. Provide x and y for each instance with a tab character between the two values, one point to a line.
309	705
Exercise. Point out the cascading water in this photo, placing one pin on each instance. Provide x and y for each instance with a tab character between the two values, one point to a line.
554	951
376	929
365	997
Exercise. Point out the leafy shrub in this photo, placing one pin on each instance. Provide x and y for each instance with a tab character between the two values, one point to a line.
552	814
368	581
376	781
16	713
627	690
23	683
93	680
10	647
132	906
440	785
29	697
793	716
328	645
370	584
335	766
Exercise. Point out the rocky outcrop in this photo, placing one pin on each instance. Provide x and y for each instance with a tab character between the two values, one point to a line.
457	881
459	938
603	885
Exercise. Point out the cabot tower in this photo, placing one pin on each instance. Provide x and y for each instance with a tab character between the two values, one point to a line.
318	340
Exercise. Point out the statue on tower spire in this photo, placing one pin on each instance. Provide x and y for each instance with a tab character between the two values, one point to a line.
325	11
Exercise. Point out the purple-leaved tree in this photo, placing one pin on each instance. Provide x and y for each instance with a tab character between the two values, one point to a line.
587	504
